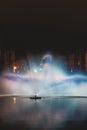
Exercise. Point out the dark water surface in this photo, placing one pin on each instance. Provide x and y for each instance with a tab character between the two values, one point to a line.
48	113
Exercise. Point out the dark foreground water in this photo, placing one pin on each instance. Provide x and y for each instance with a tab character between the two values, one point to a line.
48	113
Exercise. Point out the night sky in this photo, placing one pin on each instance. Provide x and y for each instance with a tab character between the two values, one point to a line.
36	26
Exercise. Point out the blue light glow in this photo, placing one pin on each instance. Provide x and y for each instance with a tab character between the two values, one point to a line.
48	80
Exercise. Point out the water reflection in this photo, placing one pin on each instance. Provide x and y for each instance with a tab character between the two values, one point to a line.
50	113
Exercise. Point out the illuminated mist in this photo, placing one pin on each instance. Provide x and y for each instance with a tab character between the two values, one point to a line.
48	79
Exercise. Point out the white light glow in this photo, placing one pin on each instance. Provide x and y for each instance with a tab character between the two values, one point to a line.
50	81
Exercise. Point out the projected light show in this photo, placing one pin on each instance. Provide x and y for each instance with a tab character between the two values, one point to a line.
44	97
48	79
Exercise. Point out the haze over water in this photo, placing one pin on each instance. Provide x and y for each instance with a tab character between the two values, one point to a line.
50	81
47	79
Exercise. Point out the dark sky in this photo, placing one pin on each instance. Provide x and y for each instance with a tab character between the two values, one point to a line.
43	25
